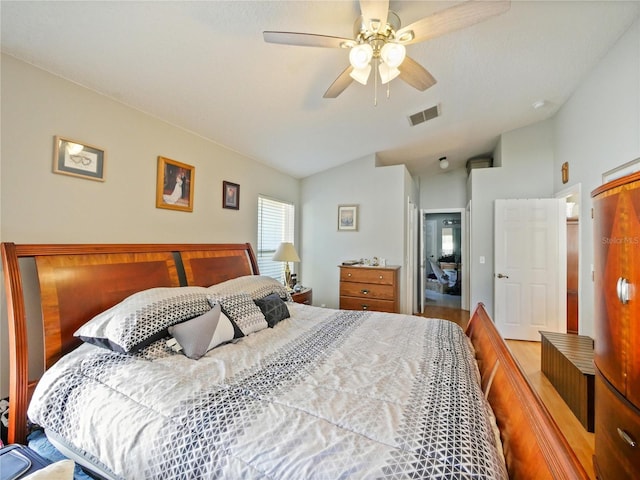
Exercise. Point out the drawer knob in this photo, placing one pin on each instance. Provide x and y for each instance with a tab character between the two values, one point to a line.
623	290
364	291
380	277
626	437
365	307
348	274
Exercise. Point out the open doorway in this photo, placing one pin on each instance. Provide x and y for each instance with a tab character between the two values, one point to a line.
442	253
572	196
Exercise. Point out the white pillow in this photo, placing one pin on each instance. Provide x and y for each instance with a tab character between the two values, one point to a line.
241	308
257	286
144	317
62	470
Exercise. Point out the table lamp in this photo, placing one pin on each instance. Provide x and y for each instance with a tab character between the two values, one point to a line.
286	252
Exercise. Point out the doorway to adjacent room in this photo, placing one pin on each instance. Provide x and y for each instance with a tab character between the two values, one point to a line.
441	251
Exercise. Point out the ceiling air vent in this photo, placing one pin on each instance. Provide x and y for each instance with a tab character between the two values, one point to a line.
424	115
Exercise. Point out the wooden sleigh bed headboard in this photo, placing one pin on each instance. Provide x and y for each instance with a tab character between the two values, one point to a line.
78	281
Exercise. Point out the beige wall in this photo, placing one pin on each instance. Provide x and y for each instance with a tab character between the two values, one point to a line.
37	205
380	193
598	129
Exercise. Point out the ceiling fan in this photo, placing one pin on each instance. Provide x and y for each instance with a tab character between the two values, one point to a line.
380	39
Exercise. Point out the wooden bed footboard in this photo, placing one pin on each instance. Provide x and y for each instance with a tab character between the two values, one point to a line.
75	282
533	445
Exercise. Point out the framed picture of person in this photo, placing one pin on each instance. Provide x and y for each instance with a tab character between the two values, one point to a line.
230	195
175	185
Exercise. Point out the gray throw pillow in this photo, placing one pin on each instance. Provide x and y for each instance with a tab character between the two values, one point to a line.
273	308
201	334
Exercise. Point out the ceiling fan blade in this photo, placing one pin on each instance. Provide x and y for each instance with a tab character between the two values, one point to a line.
339	84
416	75
451	19
307	39
374	13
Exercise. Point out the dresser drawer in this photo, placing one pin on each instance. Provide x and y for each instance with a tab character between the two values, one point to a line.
353	303
617	425
361	290
367	275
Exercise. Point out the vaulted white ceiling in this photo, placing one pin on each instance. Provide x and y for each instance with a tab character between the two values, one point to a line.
205	67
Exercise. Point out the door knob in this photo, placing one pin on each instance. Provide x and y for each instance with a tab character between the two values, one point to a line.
502	276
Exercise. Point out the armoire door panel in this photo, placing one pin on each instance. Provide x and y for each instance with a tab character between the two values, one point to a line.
609	345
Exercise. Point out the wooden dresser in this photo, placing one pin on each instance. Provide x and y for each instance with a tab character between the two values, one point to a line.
616	214
370	288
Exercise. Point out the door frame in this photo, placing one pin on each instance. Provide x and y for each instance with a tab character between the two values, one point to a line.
576	192
464	242
412	266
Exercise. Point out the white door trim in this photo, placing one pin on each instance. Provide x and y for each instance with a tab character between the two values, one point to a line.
464	242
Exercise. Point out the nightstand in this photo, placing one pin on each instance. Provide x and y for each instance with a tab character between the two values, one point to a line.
303	296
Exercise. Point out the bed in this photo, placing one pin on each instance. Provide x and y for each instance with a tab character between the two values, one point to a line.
314	393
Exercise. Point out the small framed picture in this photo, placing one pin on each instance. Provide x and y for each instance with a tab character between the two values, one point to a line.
78	159
348	218
175	185
230	195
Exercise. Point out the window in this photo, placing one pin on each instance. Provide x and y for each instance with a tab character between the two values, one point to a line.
275	224
447	241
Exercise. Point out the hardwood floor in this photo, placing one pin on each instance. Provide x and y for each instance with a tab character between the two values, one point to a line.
461	317
527	354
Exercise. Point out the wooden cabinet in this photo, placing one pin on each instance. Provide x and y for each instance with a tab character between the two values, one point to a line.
370	288
304	296
616	213
617	427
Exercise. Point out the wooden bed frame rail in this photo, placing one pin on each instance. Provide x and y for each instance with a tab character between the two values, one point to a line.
533	445
78	281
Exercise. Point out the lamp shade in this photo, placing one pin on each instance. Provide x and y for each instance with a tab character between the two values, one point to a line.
361	75
393	54
361	55
387	73
286	252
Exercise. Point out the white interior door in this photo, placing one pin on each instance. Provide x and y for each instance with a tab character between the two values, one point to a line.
530	267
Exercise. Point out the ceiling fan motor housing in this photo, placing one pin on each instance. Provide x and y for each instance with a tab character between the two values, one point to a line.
364	32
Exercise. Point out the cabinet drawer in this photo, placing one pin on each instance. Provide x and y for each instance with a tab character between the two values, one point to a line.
367	275
363	290
616	457
353	303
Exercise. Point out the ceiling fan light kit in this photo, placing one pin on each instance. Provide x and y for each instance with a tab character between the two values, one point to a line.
393	54
360	55
361	75
379	39
387	72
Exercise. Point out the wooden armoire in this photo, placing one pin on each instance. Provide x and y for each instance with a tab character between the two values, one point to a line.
616	216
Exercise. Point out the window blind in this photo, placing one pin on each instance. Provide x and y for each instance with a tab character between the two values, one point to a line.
275	225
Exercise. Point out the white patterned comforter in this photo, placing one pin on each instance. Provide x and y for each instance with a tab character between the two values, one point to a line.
325	394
